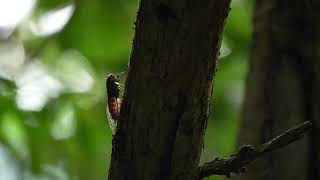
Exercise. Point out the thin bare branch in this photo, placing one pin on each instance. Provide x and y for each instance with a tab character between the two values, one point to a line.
246	154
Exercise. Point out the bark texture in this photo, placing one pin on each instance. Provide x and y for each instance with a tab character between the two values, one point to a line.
283	87
168	88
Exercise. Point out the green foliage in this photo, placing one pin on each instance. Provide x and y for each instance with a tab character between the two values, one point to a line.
67	137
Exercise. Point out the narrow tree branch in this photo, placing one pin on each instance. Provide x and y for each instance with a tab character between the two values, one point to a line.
246	154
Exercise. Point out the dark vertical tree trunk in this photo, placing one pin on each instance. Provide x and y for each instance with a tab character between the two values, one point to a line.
283	87
165	107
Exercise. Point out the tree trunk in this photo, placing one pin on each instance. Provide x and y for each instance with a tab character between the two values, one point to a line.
283	88
168	88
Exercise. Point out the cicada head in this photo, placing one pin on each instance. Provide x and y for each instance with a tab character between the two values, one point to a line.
113	87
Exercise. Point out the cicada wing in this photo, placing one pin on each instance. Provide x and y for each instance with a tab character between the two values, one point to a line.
112	122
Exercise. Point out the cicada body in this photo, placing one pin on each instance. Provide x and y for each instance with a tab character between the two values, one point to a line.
114	101
114	105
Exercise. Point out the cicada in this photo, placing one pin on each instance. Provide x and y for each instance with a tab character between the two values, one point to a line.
114	98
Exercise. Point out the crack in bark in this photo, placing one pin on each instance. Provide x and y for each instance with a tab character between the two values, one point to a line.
163	12
180	109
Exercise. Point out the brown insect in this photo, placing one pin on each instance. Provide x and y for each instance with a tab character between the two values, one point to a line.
114	101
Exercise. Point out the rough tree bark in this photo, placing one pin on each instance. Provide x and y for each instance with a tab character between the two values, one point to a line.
283	87
168	88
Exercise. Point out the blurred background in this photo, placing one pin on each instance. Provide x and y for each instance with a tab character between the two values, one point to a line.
54	57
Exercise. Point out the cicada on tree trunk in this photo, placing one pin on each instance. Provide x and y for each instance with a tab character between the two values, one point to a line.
114	97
